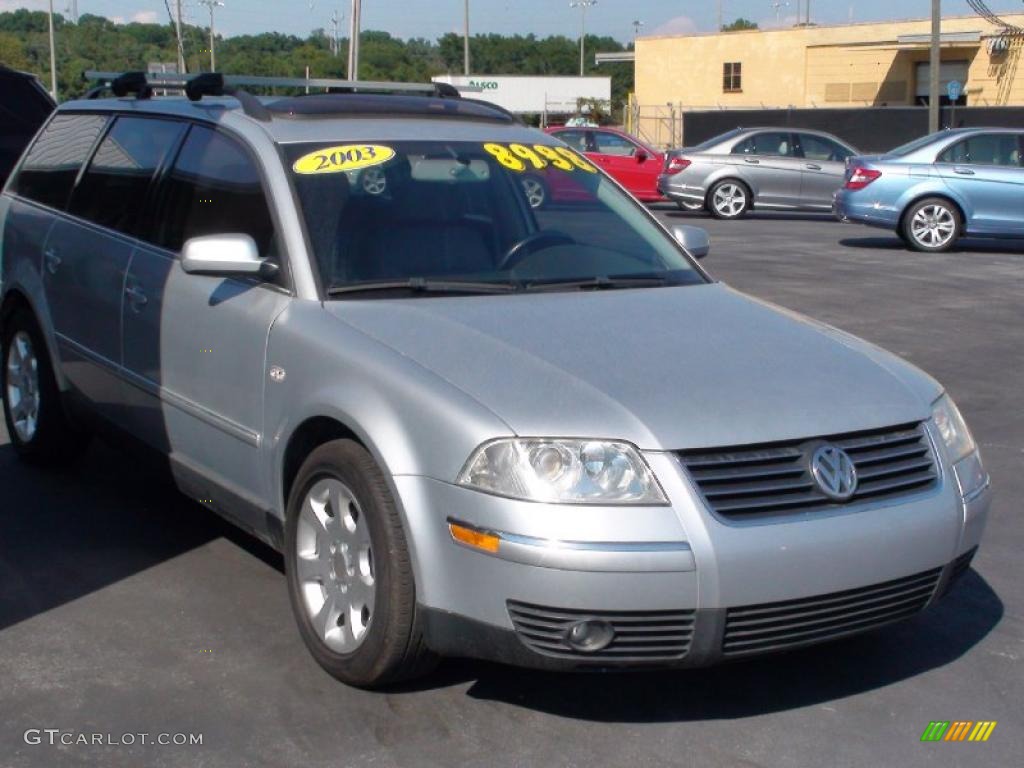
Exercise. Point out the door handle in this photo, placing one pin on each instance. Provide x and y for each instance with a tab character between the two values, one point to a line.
751	160
136	297
52	261
963	171
813	167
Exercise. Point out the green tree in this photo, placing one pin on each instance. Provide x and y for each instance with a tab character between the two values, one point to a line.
739	25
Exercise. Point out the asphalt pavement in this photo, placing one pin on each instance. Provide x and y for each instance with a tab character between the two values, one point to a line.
127	609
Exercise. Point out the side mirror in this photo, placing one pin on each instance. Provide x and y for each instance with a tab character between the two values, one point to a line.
695	240
641	155
224	255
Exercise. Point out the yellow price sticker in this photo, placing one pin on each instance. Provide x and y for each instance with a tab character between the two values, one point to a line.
343	158
519	157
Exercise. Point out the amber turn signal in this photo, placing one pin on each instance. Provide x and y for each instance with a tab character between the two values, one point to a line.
488	542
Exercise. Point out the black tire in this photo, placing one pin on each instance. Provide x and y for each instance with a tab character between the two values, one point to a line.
938	237
738	188
393	648
54	440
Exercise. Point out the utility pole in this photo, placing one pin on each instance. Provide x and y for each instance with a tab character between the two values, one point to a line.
935	63
583	5
719	28
53	58
353	41
212	4
465	44
636	30
335	21
181	45
807	19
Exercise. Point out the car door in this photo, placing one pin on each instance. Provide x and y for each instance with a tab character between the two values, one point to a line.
767	161
618	156
985	171
824	166
87	254
195	345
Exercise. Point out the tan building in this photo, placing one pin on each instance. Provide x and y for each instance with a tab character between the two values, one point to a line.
872	64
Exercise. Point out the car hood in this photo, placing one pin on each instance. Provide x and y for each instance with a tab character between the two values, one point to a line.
664	368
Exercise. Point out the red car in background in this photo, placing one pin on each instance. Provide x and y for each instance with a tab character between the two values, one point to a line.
633	164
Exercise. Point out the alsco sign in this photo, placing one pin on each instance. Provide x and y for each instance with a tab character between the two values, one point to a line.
487	85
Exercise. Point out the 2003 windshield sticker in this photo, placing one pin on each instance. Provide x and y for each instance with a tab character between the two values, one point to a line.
517	157
347	157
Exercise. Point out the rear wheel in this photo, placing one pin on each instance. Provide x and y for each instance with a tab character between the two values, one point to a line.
729	199
350	577
36	423
688	206
932	225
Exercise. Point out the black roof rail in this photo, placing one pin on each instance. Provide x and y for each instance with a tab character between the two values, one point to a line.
196	86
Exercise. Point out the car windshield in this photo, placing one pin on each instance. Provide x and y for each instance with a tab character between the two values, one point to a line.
432	215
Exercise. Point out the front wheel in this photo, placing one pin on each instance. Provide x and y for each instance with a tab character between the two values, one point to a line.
729	199
37	426
350	577
932	225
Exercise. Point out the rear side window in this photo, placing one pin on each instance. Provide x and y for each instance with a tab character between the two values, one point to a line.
777	144
820	148
113	189
213	189
985	149
53	163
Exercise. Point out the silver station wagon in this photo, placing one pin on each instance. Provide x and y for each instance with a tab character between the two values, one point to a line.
473	427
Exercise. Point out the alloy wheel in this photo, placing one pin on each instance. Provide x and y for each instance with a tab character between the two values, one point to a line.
334	565
729	199
933	226
23	386
374	182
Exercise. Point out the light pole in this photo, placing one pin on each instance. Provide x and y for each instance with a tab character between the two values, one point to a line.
353	41
935	63
53	58
181	45
465	44
212	4
583	5
636	29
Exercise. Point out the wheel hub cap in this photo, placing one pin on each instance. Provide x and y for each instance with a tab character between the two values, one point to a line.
23	386
933	225
335	565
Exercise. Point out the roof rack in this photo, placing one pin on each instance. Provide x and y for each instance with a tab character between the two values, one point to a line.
196	86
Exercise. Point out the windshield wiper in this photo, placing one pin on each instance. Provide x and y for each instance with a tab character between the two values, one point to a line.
599	283
422	285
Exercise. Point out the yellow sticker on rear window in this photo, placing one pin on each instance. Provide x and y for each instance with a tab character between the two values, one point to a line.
347	157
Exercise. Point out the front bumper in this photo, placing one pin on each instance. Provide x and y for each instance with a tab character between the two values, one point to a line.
694	582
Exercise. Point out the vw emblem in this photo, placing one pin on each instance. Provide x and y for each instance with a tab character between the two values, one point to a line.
834	472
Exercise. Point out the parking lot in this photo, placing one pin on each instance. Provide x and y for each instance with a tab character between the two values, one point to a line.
126	609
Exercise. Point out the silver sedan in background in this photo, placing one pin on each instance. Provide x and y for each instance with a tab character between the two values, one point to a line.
775	168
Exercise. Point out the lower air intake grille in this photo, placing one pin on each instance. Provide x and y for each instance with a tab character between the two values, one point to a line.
776	626
960	566
639	635
775	479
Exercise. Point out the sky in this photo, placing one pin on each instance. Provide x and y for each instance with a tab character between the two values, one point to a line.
433	18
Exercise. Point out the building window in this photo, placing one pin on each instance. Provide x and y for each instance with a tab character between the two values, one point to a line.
732	73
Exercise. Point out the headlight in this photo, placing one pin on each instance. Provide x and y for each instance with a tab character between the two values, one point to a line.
955	434
562	471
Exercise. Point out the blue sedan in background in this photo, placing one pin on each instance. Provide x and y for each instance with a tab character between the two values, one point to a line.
967	181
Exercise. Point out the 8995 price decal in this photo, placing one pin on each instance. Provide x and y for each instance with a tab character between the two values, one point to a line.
520	157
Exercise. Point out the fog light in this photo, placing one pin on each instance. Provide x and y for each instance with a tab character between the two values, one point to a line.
590	635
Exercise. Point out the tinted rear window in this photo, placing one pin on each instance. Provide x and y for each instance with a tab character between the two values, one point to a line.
115	186
53	163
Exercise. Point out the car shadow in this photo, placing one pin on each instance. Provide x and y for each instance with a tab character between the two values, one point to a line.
753	216
974	245
780	682
67	532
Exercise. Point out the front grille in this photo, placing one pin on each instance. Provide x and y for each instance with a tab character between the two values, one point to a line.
639	635
790	623
775	479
